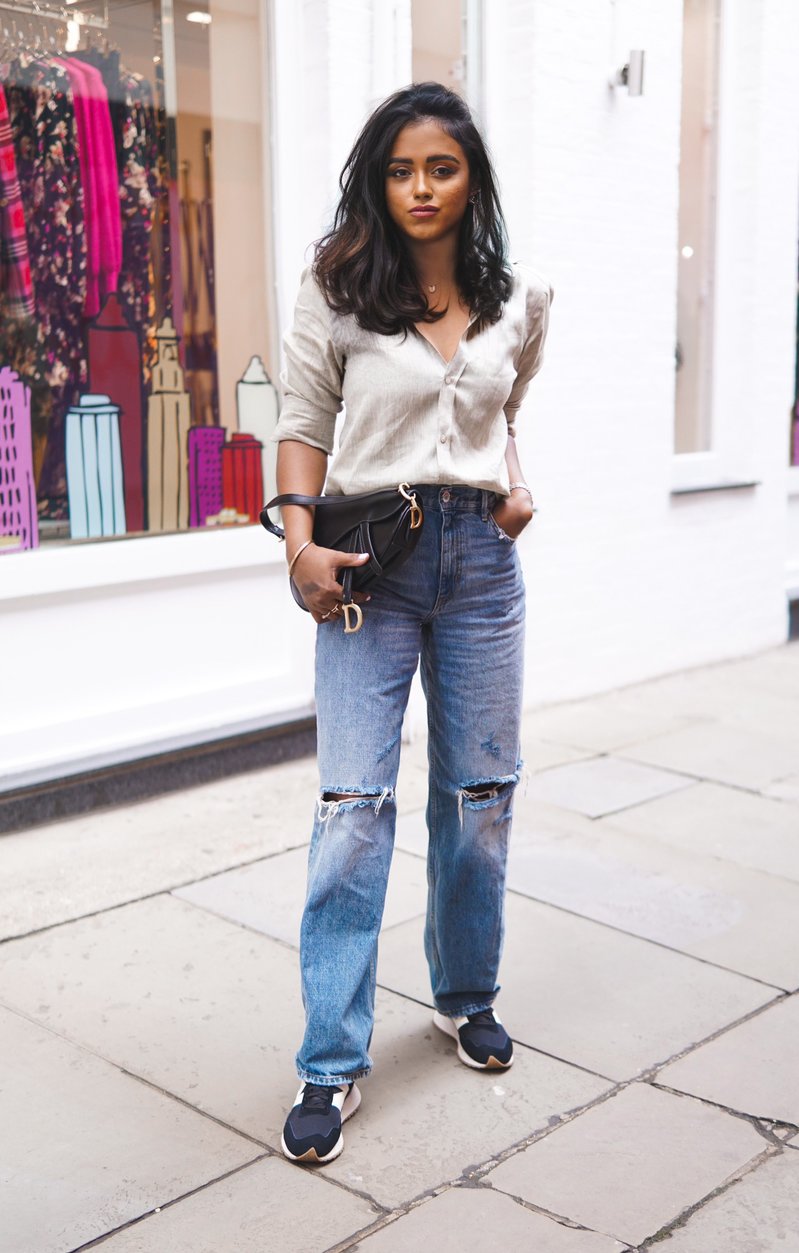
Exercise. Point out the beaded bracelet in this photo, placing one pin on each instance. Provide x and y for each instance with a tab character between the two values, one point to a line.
522	487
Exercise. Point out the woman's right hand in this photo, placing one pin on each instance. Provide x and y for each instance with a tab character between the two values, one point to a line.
315	574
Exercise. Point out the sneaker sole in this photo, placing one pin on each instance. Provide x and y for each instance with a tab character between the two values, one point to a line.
447	1026
350	1106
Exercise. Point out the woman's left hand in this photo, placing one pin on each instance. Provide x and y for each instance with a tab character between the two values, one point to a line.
513	513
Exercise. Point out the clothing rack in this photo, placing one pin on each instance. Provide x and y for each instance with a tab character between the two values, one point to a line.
29	8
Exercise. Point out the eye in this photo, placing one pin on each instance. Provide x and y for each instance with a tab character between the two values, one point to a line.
443	171
398	172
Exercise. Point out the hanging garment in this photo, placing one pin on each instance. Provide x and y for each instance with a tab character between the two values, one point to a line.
16	285
98	167
140	187
44	131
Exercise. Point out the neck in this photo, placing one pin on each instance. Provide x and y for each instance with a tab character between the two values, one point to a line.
435	263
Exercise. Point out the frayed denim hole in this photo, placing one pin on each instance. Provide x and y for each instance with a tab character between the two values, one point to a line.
483	793
356	799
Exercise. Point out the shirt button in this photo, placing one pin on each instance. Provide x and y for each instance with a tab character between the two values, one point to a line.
446	496
443	439
449	379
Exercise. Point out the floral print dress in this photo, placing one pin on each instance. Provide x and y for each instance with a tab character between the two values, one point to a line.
42	119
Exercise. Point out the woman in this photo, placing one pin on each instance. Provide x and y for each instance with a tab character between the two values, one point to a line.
413	318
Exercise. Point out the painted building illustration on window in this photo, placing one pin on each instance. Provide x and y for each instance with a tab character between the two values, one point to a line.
257	411
18	520
168	422
94	469
205	473
115	369
137	349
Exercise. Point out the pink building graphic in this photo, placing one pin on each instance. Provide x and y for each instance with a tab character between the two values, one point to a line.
205	472
19	525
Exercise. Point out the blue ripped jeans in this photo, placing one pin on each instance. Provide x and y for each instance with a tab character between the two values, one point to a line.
458	603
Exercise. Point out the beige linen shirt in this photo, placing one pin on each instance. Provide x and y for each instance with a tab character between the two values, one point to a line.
411	416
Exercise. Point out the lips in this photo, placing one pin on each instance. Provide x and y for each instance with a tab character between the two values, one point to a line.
426	212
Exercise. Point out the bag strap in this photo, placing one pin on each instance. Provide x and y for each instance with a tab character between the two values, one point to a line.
293	498
289	498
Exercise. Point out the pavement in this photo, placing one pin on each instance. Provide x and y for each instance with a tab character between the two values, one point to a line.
150	1007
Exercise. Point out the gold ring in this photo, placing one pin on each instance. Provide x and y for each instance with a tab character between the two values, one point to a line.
336	609
325	616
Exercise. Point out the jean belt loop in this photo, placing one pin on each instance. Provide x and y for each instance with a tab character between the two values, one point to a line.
485	505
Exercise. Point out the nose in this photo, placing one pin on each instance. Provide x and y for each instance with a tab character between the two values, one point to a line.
421	186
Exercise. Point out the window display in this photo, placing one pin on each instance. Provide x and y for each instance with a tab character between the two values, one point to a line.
120	411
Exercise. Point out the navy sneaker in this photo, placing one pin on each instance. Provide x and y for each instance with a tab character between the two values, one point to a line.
313	1128
483	1042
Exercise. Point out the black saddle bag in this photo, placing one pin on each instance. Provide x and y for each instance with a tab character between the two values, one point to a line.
385	524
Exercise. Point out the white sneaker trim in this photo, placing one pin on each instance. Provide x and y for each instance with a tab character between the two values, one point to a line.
450	1027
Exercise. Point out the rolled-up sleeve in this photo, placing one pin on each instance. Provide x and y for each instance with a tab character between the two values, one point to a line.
312	376
531	357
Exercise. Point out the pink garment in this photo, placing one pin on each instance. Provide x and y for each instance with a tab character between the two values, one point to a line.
98	167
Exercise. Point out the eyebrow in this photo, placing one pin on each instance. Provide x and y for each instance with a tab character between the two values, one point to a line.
441	156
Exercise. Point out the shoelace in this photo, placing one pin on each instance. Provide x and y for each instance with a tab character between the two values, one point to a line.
317	1099
483	1018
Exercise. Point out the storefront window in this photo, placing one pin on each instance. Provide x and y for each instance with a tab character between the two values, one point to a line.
696	242
794	447
137	341
438	52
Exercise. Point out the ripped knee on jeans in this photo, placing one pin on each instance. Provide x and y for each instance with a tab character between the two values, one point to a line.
483	792
330	802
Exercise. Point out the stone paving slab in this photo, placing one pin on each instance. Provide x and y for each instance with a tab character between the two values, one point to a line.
86	1148
753	831
425	1117
411	834
786	789
190	1002
608	722
411	790
753	1068
757	1214
728	754
700	905
603	785
55	873
212	1013
269	895
631	1164
461	1217
269	1207
541	754
586	993
756	693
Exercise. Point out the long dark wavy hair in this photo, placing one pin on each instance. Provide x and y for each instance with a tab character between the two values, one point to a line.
362	263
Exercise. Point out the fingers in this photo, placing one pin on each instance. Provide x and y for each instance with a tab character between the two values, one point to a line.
317	574
359	597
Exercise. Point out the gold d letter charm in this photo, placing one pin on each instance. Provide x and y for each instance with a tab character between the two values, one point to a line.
349	629
416	513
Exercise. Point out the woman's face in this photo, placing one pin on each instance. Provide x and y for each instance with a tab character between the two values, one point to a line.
427	182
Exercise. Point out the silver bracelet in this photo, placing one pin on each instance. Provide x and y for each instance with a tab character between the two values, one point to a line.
522	487
300	550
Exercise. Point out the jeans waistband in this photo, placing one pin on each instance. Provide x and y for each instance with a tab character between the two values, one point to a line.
455	497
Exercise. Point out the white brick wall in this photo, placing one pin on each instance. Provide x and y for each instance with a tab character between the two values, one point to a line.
625	581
